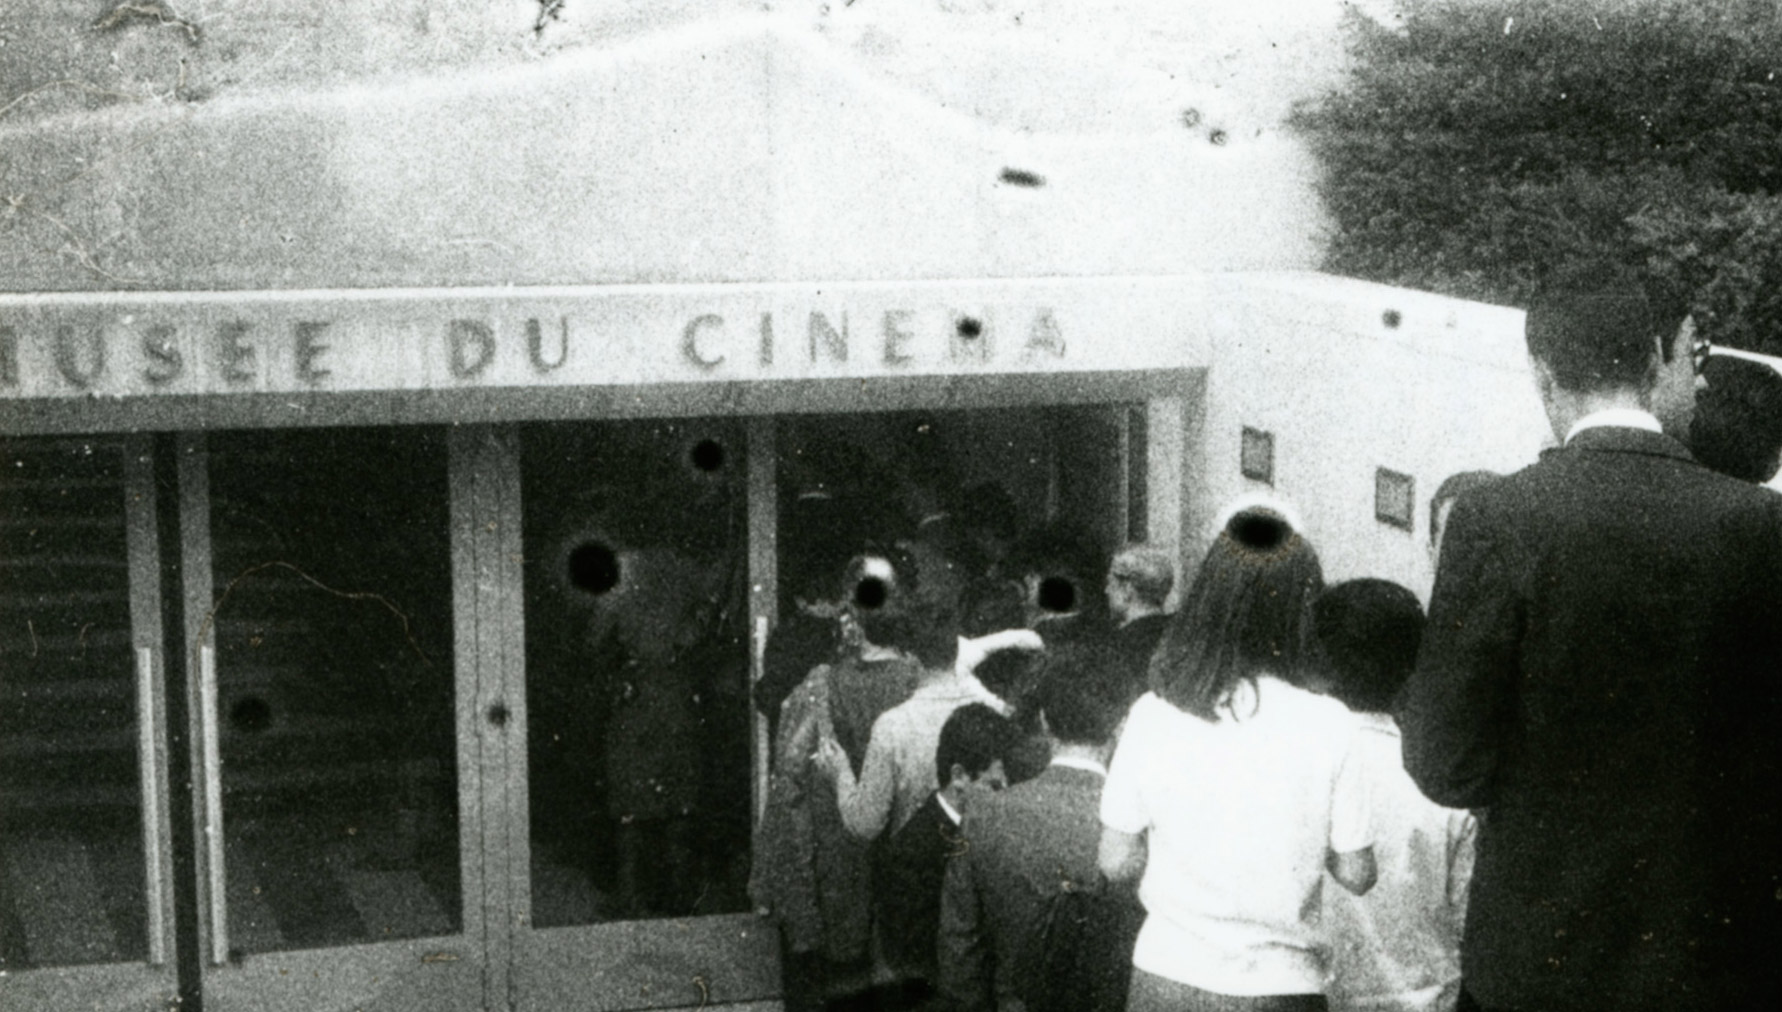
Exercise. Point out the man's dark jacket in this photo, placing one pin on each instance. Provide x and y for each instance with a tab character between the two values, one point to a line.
906	887
1599	676
1022	847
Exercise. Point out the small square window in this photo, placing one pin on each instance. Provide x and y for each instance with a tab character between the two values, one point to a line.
1256	457
1395	498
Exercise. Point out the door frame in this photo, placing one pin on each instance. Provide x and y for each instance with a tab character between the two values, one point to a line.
450	972
152	982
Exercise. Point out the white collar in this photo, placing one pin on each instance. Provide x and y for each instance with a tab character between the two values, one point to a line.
952	813
1622	418
1080	764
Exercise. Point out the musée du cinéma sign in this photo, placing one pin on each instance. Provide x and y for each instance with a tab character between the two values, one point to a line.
221	343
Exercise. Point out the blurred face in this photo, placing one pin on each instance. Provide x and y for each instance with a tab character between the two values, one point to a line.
1673	395
983	785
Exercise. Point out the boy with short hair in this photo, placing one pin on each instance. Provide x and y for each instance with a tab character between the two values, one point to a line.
974	743
1398	947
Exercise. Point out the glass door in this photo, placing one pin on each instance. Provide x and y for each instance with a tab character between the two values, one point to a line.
333	726
85	899
638	782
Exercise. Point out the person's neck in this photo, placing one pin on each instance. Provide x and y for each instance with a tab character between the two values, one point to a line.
1097	754
1566	408
1136	612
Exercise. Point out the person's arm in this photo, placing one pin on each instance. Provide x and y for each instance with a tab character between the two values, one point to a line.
1349	853
1463	838
1457	710
1125	819
1122	856
865	803
966	963
1354	870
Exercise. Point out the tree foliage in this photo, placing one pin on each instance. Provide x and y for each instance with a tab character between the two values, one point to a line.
1486	140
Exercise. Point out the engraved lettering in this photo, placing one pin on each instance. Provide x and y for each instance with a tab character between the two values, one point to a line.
766	348
234	354
9	357
1044	335
690	341
472	346
535	345
896	336
971	338
166	362
80	375
821	330
309	348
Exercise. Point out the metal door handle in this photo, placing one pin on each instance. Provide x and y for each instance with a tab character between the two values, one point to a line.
148	738
213	803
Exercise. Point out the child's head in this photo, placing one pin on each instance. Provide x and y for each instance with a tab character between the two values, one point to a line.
974	742
1369	631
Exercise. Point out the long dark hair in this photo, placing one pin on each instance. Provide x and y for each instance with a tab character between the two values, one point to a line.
1248	613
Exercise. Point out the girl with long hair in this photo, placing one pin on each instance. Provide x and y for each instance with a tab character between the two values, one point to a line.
1233	788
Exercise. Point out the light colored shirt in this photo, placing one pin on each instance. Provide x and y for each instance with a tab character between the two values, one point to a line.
1238	815
948	810
1397	949
898	774
1087	765
1623	418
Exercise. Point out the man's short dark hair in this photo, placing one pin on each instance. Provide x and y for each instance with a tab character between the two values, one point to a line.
1369	631
1593	325
1738	419
1452	488
928	629
1080	692
974	737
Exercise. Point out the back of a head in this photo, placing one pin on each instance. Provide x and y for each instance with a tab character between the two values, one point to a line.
1150	572
1594	323
973	738
1369	631
878	586
1080	693
1738	419
928	630
1247	614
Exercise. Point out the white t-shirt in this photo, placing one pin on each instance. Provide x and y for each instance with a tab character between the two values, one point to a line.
1398	947
1239	814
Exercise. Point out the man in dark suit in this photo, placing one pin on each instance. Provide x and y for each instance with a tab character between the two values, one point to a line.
1025	845
974	742
1600	676
1139	581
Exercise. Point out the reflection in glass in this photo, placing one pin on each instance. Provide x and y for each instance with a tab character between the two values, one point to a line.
71	860
636	670
331	561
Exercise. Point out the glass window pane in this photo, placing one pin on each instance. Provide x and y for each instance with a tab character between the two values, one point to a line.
331	561
72	880
636	670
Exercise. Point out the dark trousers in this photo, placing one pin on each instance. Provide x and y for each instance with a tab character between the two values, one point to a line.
1151	993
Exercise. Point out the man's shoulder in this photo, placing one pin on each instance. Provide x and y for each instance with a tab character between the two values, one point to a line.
1050	796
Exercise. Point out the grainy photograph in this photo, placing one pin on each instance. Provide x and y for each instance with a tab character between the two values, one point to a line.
890	505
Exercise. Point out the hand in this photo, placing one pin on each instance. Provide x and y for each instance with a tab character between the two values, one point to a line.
832	759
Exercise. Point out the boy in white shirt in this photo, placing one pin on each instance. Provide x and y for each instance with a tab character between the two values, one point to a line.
1398	947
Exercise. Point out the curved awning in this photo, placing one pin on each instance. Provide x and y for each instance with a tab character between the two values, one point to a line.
742	151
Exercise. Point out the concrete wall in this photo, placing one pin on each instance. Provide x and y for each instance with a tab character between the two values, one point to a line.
1313	360
743	149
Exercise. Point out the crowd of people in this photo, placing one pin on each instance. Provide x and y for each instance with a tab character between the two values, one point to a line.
1012	780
